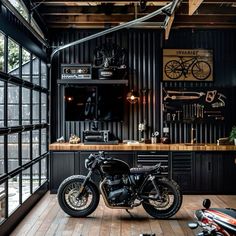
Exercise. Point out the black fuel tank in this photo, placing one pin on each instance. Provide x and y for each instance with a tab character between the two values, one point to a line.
115	167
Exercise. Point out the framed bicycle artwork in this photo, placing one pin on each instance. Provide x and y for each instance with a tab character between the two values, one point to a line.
187	65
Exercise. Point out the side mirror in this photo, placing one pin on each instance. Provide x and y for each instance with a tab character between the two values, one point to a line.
207	203
193	225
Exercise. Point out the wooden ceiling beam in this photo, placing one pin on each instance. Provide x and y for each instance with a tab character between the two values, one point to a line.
193	5
118	18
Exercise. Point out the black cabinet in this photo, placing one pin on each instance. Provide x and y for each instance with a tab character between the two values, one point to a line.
183	166
62	165
228	173
207	172
150	158
195	172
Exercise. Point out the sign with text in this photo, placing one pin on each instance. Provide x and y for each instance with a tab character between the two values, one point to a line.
187	65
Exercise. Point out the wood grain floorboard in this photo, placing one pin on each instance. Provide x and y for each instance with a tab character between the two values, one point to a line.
46	218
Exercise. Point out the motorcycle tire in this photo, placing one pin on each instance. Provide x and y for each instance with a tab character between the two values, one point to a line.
168	188
68	200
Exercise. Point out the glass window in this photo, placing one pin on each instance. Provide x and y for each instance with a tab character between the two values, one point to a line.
13	105
26	63
25	147
35	176
35	138
2	51
2	202
44	81
25	184
43	170
43	108
2	162
13	57
13	193
13	158
1	104
36	119
25	106
43	141
20	8
35	73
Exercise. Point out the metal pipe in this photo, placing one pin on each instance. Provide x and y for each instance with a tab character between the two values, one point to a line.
170	6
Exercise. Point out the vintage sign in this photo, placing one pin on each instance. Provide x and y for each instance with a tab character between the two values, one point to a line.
187	65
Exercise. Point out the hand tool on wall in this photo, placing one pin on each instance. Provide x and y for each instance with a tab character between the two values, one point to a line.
182	95
210	96
222	101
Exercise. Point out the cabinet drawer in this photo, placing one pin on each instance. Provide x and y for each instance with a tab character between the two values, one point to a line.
153	158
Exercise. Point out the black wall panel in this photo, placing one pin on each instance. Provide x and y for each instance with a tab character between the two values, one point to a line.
144	49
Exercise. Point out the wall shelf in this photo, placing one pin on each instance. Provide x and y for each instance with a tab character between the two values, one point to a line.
91	81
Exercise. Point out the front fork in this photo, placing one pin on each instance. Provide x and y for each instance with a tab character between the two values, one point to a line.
84	183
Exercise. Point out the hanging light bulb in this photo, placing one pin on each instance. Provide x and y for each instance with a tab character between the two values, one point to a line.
132	97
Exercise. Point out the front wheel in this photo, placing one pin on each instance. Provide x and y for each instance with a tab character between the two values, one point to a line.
75	204
168	202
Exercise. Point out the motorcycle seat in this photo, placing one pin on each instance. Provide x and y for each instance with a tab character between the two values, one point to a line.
142	170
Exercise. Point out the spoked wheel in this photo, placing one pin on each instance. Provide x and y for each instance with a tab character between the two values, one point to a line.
168	201
173	69
201	70
74	203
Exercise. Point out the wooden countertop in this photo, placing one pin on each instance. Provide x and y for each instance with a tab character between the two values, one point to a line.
141	147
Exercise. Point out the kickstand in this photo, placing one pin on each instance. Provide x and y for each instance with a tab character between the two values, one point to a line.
129	213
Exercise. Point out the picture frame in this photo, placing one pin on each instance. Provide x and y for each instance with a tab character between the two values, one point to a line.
188	65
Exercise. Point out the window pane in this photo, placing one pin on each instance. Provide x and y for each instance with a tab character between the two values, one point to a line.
13	58
1	104
36	107
25	106
13	194
43	108
13	160
20	8
43	170
35	143
44	82
13	105
2	202
25	184
43	141
2	171
35	73
1	52
25	65
35	176
25	147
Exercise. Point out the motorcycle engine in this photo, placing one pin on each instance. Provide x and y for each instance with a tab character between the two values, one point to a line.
117	189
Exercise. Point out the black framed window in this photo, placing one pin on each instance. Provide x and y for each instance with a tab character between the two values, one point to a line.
26	65
13	58
23	125
13	117
2	51
2	156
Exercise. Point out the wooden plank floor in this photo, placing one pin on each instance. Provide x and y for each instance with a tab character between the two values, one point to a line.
46	218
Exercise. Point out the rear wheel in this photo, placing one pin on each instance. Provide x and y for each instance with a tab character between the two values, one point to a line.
169	200
75	204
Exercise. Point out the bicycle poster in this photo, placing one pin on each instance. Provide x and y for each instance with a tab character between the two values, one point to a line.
187	65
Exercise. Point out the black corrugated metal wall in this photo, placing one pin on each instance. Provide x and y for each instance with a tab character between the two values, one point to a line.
145	71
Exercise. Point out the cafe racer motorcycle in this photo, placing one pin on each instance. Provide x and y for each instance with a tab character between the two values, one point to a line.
120	187
214	221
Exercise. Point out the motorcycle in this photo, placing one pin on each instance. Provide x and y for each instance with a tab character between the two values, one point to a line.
121	188
215	221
